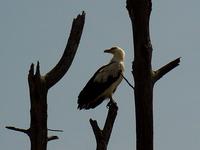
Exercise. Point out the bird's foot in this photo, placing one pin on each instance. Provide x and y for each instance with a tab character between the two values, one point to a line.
110	103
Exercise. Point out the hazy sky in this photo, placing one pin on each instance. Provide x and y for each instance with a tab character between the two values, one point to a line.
38	30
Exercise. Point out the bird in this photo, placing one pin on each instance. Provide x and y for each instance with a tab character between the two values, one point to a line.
104	82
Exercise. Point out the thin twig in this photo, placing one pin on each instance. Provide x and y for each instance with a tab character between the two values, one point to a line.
55	130
18	129
127	81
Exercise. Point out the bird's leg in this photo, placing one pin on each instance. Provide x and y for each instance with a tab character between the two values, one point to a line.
111	102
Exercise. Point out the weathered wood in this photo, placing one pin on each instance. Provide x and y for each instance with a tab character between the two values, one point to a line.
39	86
144	77
53	76
139	12
103	136
38	96
165	69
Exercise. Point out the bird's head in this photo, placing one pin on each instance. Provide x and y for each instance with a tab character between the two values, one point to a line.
118	53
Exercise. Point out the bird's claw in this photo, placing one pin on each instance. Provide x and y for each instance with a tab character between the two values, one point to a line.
110	103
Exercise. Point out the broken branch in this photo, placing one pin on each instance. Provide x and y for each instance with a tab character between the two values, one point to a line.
103	136
165	69
53	76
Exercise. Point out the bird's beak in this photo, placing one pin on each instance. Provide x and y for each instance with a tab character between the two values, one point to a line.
107	51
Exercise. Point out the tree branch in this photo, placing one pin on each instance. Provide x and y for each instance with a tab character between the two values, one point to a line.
18	129
52	138
112	113
53	76
55	130
127	81
97	131
103	136
165	69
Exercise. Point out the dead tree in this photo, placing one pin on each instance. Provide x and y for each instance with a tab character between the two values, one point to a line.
144	77
39	86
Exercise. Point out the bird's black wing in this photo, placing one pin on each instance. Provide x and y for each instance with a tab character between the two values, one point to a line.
87	97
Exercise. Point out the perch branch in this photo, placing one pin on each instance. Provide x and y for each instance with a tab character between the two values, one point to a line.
103	136
112	113
53	76
165	69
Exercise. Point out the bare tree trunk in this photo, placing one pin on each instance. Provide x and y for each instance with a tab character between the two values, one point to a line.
39	86
144	76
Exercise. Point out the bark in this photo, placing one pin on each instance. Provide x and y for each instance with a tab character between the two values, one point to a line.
39	86
144	77
103	136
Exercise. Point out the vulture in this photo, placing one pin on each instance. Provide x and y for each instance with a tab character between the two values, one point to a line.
104	82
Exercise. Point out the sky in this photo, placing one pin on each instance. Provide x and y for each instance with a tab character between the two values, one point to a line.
38	30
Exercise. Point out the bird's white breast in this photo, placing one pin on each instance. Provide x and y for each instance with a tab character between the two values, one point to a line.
111	71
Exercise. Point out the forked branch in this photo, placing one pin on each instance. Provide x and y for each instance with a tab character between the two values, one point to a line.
103	136
39	86
53	76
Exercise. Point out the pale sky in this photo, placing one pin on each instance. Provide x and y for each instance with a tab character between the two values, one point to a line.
38	30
